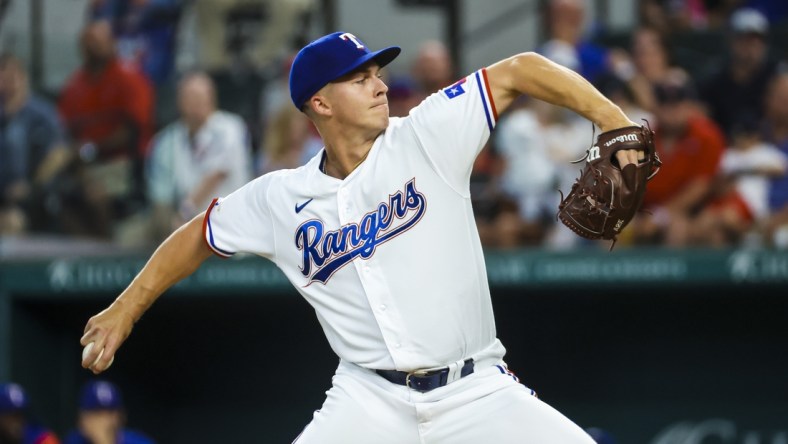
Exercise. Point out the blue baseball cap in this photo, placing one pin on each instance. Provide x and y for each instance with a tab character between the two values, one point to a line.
12	398
329	58
100	395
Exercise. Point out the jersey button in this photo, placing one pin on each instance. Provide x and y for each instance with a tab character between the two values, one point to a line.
382	307
397	345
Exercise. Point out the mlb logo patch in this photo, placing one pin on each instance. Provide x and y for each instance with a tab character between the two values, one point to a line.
455	90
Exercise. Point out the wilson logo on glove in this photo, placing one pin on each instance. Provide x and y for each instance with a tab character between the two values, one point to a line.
605	198
624	138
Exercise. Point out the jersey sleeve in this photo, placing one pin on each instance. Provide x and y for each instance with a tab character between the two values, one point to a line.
241	222
453	125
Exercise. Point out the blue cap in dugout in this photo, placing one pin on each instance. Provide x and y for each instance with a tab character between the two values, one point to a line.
100	395
329	58
12	398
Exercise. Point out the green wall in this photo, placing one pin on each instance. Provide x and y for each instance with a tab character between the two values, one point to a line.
639	342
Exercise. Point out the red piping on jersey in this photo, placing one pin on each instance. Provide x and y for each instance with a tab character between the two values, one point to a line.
489	94
205	228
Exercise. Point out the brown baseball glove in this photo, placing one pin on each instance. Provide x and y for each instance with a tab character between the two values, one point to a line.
606	197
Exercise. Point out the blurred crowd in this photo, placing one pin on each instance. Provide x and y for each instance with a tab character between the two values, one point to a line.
100	418
721	130
150	127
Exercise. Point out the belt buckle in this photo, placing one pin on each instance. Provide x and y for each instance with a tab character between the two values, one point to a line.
414	373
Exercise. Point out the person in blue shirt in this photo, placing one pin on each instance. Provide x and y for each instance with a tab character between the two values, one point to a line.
16	426
32	152
102	417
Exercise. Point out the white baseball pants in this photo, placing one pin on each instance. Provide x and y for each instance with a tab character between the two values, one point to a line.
488	406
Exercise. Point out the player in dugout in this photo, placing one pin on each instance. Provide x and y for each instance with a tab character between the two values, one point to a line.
17	425
102	417
377	233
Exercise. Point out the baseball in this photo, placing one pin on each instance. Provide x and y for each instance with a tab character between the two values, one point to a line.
86	352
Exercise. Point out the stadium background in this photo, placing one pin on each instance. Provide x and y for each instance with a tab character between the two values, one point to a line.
655	345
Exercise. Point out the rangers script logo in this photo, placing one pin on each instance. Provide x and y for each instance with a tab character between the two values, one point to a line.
328	251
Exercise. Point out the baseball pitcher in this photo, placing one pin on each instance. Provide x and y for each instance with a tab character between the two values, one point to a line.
377	233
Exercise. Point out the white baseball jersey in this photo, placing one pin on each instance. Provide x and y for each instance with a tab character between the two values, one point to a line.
389	257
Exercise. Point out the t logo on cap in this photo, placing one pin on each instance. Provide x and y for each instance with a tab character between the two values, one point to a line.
354	39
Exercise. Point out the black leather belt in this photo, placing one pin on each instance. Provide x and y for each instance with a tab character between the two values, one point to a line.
424	381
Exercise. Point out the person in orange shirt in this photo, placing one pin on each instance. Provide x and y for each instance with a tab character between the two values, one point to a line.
107	109
690	146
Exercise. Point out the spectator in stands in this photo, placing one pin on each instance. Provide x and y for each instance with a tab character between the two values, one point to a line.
432	69
566	25
690	146
32	151
738	87
647	66
108	110
145	32
740	195
290	140
102	417
529	179
202	155
16	427
650	54
776	132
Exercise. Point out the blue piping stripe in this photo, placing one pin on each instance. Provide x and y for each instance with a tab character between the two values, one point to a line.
480	84
213	244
